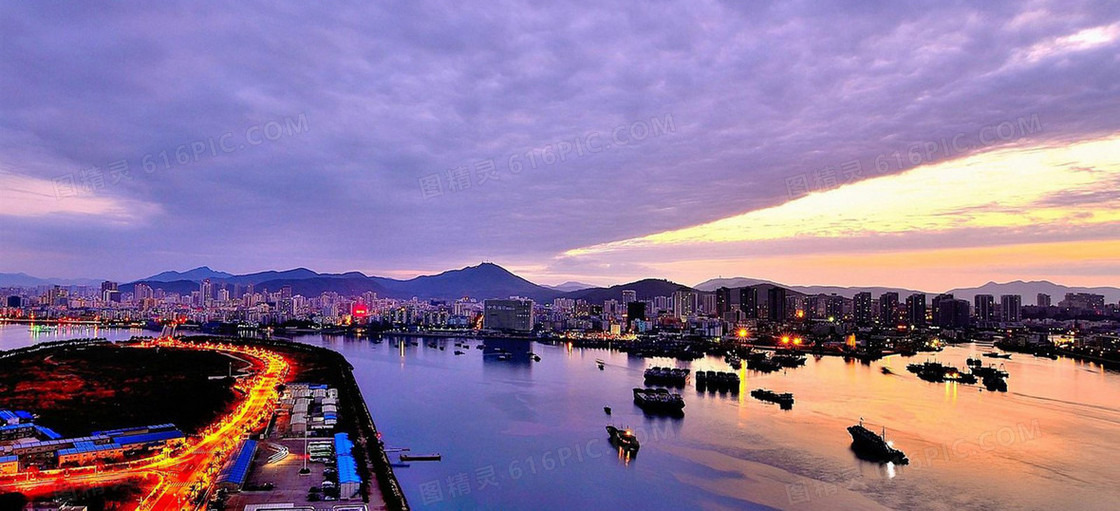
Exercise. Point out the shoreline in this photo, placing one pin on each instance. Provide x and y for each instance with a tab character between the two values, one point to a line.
375	467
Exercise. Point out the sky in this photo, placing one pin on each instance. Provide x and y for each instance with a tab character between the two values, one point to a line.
923	145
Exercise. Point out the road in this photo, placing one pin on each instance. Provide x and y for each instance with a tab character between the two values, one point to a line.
188	472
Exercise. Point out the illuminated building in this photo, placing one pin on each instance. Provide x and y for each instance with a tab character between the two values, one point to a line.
984	307
888	309
916	310
1011	307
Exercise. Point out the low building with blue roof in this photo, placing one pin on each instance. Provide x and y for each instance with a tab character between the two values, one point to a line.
349	483
235	474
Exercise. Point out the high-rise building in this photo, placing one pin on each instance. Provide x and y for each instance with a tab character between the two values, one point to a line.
723	301
888	309
109	291
684	303
748	301
141	292
1083	302
1043	300
1011	308
776	304
984	307
935	306
952	313
916	310
834	307
205	291
861	308
513	315
629	295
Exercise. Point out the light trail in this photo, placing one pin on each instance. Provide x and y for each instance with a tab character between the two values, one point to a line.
188	473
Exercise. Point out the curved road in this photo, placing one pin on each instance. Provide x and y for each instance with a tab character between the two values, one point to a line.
190	471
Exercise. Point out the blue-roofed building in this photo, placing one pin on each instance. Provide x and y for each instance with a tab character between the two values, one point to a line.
348	480
86	451
342	444
17	431
47	433
9	417
234	475
153	439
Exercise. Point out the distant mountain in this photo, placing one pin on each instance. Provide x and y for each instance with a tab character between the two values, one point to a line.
487	280
197	275
847	292
733	282
644	289
25	280
1029	290
570	286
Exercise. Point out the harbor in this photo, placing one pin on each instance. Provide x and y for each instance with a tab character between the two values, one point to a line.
524	428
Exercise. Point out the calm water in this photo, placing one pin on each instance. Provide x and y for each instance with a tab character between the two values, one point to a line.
530	435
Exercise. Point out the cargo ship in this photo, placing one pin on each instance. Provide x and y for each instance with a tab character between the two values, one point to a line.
875	446
784	400
713	381
658	401
669	376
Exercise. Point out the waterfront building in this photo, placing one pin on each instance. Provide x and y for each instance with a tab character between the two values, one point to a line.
512	315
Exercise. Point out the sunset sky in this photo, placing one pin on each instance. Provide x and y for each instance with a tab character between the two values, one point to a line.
927	146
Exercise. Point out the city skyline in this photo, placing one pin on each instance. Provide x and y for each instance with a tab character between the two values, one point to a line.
893	146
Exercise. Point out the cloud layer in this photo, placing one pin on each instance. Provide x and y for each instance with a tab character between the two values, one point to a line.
766	101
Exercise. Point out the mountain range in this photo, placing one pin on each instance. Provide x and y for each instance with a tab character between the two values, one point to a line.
488	280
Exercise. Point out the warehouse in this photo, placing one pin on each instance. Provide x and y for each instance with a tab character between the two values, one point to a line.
233	477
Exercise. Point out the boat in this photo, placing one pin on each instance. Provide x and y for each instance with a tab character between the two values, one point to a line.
735	362
784	399
623	439
990	371
658	401
599	362
460	352
668	376
536	358
607	409
421	457
875	446
995	383
713	381
994	354
504	356
788	359
886	370
761	362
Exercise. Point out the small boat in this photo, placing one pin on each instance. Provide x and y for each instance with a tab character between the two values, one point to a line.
421	457
624	439
458	352
600	363
994	354
536	358
607	409
504	356
886	370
